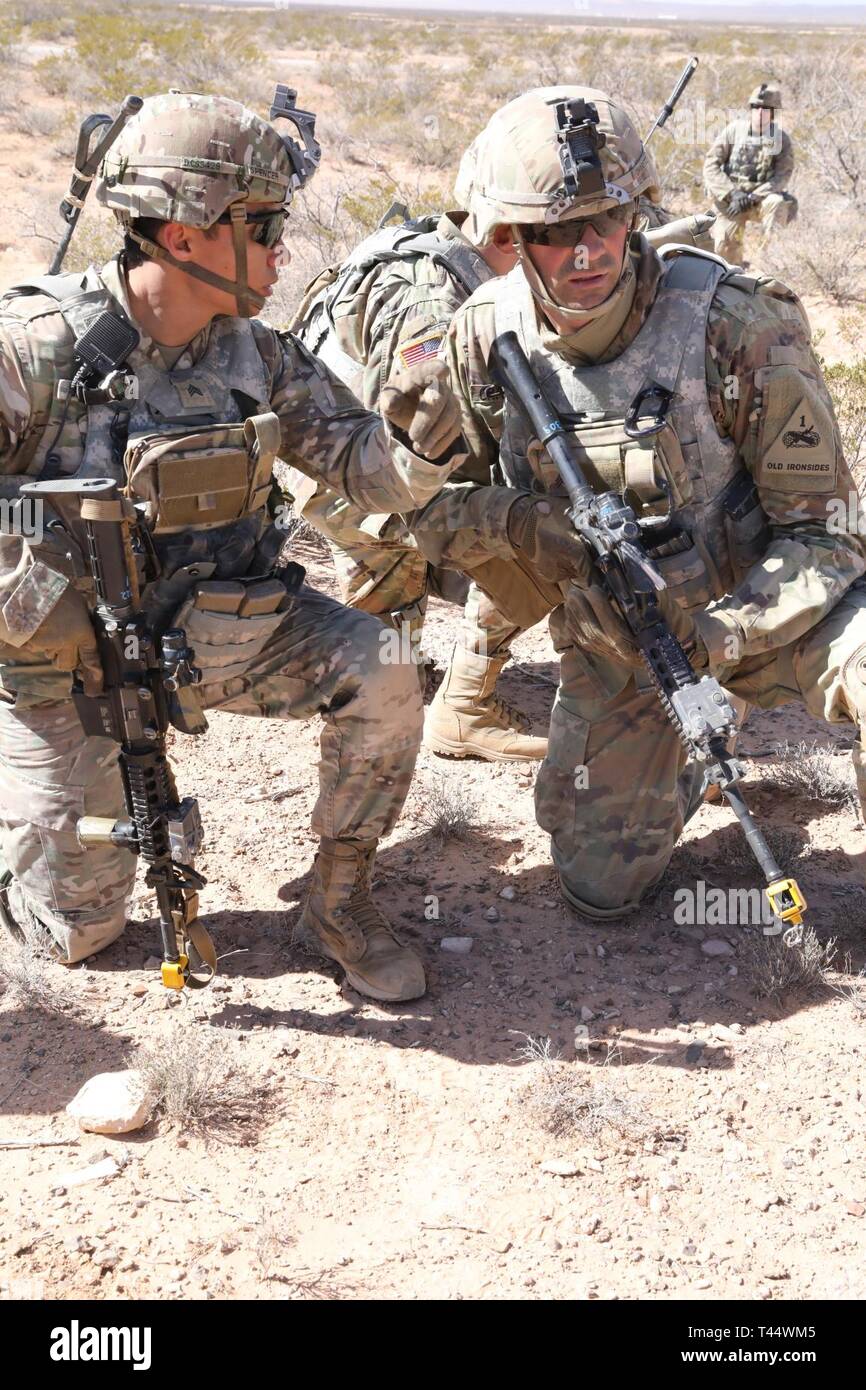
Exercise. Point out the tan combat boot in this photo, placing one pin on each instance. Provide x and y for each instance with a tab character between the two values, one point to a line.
340	921
467	719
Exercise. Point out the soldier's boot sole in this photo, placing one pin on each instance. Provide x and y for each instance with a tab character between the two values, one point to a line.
468	748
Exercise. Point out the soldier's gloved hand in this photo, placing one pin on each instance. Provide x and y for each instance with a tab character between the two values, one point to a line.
739	200
419	403
540	530
66	638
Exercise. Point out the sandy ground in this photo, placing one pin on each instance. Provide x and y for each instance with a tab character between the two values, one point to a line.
399	1151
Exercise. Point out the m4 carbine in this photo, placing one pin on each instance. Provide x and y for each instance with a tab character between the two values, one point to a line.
697	706
147	676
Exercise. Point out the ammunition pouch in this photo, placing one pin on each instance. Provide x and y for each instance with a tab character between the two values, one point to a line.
196	481
228	623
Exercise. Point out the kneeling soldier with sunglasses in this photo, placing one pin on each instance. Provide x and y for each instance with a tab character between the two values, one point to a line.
189	423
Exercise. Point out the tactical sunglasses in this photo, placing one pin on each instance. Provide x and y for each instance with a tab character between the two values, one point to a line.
571	233
268	226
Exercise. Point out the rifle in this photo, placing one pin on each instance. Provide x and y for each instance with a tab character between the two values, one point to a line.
697	706
87	162
667	110
147	678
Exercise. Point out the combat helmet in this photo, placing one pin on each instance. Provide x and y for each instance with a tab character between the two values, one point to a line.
190	158
552	154
768	95
517	167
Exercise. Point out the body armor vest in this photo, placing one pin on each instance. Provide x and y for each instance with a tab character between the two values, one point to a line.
197	442
686	482
408	242
753	157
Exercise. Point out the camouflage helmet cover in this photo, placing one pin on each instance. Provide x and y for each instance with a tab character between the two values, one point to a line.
186	157
767	94
512	171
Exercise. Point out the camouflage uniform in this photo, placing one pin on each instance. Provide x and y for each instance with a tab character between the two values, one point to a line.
402	286
759	164
753	463
316	658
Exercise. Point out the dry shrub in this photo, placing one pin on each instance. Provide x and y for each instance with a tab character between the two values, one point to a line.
847	385
810	770
31	978
200	1085
447	810
822	253
568	1103
777	969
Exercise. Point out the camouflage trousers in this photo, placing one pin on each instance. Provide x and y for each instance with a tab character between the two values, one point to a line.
321	659
774	210
616	788
380	570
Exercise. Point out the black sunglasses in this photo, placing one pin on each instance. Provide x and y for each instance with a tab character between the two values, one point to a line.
267	226
571	233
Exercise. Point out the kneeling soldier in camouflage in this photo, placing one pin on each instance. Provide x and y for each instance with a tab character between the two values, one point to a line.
693	390
201	186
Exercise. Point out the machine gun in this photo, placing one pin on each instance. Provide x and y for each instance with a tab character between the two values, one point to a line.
697	706
87	161
147	685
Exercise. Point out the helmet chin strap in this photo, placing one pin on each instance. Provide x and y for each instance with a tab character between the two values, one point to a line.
248	301
574	318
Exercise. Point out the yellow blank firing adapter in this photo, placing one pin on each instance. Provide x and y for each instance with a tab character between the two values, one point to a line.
786	900
174	972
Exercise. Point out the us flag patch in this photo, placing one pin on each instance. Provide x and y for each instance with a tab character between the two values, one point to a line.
417	349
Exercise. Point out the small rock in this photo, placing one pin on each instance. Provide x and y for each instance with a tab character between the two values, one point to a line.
724	1034
106	1259
458	945
591	1224
855	1208
501	1244
776	1272
106	1168
561	1167
509	894
716	947
600	952
657	1204
586	1014
139	990
227	1246
704	1284
764	1200
548	902
152	963
491	915
668	1183
114	1102
694	1051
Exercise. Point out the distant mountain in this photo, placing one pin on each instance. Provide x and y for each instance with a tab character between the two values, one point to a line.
617	11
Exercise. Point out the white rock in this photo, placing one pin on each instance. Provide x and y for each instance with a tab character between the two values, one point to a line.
491	915
459	945
106	1168
509	894
658	1204
114	1102
561	1167
716	947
